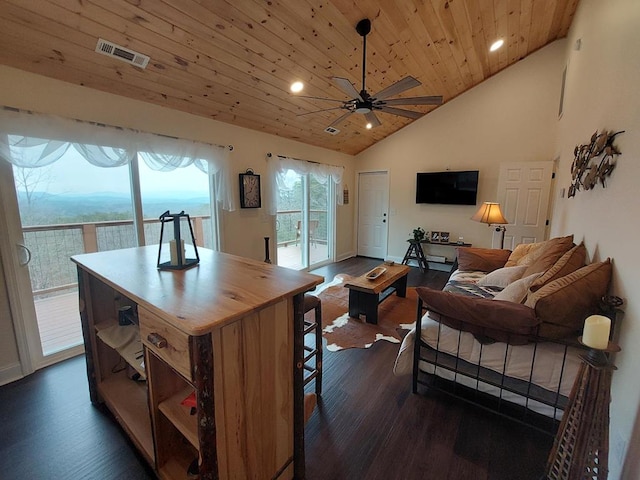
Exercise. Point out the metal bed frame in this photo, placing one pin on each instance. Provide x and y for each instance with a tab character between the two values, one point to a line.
480	375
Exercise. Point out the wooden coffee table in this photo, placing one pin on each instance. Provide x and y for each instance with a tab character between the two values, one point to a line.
365	294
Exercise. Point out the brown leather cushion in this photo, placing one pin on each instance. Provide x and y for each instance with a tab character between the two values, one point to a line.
566	264
562	305
310	302
481	259
549	254
507	322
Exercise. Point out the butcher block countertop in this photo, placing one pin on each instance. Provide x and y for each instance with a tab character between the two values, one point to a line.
220	289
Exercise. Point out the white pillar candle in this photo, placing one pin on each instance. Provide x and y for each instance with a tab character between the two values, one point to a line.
173	250
596	331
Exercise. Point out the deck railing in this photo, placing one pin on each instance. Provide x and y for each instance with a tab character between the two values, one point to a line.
51	247
287	226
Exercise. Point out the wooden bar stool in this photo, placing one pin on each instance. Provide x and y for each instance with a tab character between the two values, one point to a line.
311	302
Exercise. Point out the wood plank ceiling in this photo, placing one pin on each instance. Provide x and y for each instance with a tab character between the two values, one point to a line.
234	60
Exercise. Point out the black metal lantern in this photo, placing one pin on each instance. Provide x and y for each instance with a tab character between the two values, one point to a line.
177	258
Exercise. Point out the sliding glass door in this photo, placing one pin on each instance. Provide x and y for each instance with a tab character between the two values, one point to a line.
304	221
67	208
71	207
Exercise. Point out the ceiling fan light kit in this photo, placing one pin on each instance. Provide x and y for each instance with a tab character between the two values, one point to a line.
365	104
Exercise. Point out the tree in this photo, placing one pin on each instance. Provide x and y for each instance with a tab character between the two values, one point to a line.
31	181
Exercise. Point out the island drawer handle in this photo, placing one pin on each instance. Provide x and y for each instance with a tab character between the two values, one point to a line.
157	340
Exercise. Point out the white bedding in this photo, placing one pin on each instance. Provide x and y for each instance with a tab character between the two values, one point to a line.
546	373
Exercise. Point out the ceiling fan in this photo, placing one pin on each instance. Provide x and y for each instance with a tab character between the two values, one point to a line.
364	103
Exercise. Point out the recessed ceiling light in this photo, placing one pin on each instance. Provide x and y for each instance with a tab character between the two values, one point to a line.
496	45
369	126
297	87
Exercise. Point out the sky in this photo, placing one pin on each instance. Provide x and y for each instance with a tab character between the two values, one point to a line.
73	174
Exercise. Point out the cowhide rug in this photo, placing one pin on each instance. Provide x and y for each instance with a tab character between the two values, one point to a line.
395	316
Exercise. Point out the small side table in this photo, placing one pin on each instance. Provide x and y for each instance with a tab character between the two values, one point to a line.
414	252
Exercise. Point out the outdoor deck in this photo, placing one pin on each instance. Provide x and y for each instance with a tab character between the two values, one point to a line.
290	256
59	318
59	322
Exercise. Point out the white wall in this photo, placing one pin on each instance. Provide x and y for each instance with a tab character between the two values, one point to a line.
243	230
602	92
511	117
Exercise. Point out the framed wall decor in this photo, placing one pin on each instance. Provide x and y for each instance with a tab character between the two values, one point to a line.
444	237
250	196
435	237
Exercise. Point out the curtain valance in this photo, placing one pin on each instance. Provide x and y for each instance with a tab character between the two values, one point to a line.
35	140
279	167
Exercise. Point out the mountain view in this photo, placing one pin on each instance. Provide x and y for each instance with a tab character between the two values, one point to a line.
47	209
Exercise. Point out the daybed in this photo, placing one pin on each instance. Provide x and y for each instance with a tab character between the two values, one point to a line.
506	324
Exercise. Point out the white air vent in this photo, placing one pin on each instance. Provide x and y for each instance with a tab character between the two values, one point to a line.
332	130
121	53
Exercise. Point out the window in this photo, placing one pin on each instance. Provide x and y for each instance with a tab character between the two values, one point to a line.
84	188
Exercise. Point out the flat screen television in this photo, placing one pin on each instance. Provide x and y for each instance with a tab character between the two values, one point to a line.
449	188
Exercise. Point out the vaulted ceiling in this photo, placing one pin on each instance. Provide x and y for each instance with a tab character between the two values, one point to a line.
234	60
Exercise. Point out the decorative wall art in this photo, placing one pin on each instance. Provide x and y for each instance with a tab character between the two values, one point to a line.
593	162
250	190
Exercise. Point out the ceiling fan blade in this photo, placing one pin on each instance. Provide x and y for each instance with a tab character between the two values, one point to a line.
319	98
372	119
347	87
400	112
433	100
397	88
317	111
340	119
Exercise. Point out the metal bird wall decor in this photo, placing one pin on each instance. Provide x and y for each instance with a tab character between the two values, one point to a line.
586	169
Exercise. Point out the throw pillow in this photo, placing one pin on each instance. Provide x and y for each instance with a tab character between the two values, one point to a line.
502	276
569	262
502	321
527	253
517	291
562	305
481	259
549	254
520	252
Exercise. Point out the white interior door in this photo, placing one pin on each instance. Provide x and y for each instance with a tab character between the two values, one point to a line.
373	220
523	193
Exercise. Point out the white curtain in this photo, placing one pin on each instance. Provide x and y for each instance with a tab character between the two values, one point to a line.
34	140
279	166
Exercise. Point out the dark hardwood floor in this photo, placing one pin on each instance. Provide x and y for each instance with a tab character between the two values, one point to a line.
368	424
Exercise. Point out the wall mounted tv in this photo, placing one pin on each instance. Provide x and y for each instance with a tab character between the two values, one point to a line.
449	188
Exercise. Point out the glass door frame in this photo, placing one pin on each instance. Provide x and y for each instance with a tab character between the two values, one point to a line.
24	319
305	214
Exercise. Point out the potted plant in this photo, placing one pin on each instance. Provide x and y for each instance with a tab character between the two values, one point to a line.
418	234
